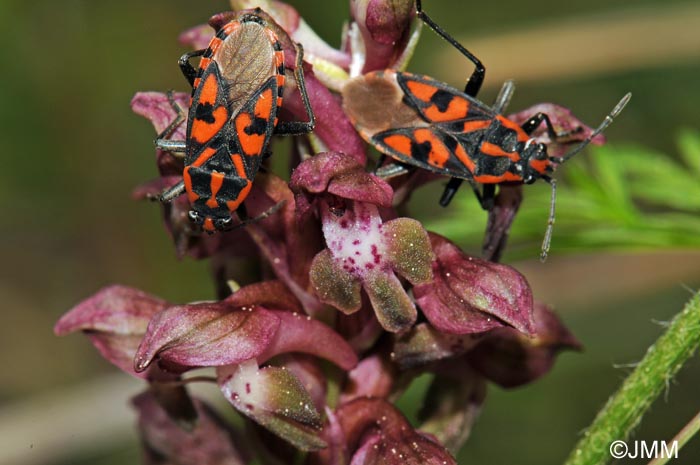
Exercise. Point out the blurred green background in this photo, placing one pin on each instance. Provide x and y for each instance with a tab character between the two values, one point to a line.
72	152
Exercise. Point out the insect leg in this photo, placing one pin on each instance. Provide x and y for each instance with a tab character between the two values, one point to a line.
477	78
450	190
242	214
504	96
534	122
292	128
547	241
170	194
486	198
393	170
162	142
380	162
189	71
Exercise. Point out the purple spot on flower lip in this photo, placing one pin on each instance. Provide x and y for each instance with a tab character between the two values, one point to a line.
344	224
369	266
247	388
356	242
249	406
376	255
357	252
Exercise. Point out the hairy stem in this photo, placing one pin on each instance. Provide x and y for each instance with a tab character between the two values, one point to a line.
624	410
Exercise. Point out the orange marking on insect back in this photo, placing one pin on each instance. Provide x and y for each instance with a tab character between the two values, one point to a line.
279	104
495	179
191	195
210	89
540	165
217	180
233	205
477	125
202	131
400	143
230	27
280	81
439	153
489	179
421	91
279	58
271	35
462	156
251	144
204	156
238	164
204	63
506	123
495	151
214	45
263	107
457	109
196	82
208	225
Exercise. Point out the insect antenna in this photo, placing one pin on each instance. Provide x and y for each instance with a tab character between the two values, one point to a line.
606	122
273	209
547	241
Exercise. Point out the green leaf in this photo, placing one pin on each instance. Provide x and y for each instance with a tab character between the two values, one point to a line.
689	147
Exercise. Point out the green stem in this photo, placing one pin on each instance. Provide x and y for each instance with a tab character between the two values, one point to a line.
681	439
624	410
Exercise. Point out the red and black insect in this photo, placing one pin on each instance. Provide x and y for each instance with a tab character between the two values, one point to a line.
237	92
424	123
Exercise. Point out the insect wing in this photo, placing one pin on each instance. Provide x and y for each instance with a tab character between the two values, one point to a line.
427	148
209	113
252	128
446	108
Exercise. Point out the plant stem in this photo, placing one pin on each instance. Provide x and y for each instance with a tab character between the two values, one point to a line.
624	410
681	438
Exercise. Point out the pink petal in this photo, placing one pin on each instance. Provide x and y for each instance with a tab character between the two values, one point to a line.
197	37
155	107
268	294
115	309
374	376
470	295
341	175
301	333
115	319
391	439
274	398
206	334
385	26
